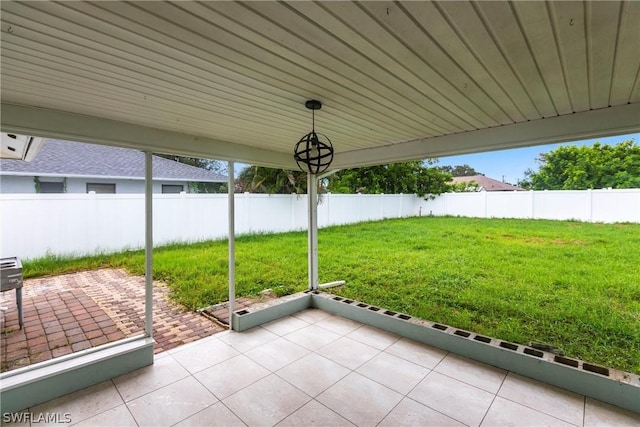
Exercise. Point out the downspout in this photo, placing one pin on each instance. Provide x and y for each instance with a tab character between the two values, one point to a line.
148	244
232	243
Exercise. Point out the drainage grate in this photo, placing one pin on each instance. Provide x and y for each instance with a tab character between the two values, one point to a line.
441	327
337	298
372	308
508	346
390	313
482	339
242	312
404	317
462	333
566	361
362	305
532	352
347	301
596	369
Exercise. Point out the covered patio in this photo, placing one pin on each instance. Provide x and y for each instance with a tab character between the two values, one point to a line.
315	368
396	81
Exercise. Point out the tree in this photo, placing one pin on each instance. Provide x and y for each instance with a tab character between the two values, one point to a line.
408	177
257	179
208	164
579	168
460	170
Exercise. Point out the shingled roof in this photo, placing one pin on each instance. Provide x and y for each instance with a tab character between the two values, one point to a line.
486	183
75	159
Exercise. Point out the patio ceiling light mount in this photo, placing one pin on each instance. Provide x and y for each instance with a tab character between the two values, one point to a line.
312	154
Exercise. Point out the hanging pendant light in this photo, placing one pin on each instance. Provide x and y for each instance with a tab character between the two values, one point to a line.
312	153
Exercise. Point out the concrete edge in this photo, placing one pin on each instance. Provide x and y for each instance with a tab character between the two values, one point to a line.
39	385
608	385
259	314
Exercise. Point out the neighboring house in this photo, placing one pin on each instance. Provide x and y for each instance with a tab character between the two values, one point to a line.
485	183
74	167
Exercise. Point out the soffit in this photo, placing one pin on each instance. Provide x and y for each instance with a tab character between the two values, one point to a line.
398	80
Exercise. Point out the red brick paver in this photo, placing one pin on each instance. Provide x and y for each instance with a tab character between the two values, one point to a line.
72	312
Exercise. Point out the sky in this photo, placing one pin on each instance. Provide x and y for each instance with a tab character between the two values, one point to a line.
509	165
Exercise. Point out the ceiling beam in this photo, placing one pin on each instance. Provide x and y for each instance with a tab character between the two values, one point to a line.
33	121
620	120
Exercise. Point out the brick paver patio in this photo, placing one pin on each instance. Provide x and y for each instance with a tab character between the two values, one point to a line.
72	312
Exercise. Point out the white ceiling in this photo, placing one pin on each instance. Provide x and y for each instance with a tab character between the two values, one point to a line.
398	80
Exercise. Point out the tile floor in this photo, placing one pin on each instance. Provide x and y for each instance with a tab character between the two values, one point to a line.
314	368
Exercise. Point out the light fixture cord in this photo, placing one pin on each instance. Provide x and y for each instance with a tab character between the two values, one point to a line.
313	120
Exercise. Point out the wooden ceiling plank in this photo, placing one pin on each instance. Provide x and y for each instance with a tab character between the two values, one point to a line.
569	22
619	120
253	58
427	61
312	53
627	55
469	25
76	127
506	30
539	32
602	34
134	57
436	24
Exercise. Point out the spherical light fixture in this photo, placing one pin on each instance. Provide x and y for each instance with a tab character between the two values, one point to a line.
313	153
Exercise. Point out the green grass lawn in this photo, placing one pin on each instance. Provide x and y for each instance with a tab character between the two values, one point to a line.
569	284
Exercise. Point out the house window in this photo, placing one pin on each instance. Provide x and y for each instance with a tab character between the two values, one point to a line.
101	188
52	187
172	189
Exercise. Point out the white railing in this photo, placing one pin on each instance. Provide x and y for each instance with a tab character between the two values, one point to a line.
33	225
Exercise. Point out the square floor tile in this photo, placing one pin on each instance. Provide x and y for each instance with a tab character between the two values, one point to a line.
118	416
245	341
411	413
504	412
171	404
83	404
339	325
477	374
313	373
554	401
314	414
453	398
276	354
599	413
311	315
374	337
416	352
215	415
347	352
360	400
202	356
164	371
312	337
266	402
285	325
391	371
232	375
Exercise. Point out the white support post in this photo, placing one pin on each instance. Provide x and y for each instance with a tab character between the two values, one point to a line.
232	243
312	199
148	244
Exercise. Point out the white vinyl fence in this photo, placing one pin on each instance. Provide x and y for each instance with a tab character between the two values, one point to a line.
33	225
582	205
